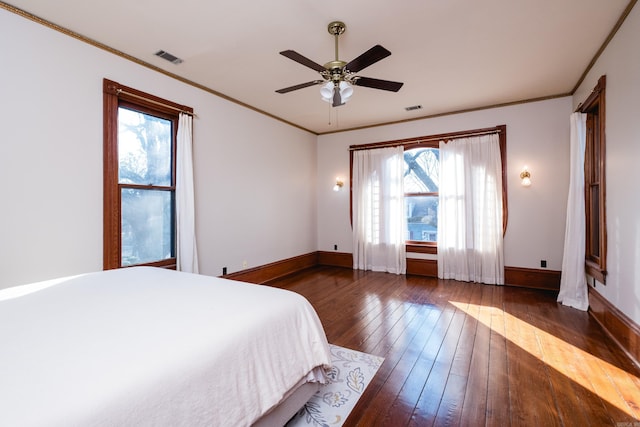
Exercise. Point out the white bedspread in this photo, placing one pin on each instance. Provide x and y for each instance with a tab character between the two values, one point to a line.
146	346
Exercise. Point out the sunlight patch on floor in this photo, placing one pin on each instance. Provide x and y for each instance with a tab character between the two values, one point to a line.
565	358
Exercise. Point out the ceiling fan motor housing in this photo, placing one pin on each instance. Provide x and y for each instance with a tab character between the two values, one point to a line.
335	71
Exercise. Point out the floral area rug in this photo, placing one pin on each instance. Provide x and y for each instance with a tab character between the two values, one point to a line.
349	376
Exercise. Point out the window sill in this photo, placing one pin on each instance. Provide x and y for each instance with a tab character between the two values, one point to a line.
170	264
596	273
422	248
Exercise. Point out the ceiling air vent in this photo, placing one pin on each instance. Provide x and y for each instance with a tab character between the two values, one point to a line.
413	107
166	55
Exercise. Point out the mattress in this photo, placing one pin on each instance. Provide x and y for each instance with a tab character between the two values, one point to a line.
148	346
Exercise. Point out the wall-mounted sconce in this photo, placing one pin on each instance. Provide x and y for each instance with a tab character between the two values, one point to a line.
525	176
338	185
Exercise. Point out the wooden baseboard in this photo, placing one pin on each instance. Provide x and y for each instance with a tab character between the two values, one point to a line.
422	267
275	270
335	259
419	267
532	278
624	331
514	276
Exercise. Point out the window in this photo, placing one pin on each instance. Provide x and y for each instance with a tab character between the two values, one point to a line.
421	184
421	181
139	178
594	174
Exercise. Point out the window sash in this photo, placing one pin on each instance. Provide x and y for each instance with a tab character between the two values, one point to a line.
148	225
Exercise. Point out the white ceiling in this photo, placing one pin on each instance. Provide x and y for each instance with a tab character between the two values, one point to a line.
452	55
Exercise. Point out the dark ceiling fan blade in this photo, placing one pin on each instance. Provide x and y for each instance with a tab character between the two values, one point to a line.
377	84
295	56
370	57
300	86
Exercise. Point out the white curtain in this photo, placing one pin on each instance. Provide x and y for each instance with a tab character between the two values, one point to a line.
573	282
379	221
185	207
470	235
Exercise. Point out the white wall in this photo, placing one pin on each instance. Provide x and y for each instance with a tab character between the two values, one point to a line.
255	185
620	62
537	136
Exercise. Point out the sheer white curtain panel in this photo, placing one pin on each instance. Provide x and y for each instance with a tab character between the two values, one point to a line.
185	205
573	282
470	235
379	221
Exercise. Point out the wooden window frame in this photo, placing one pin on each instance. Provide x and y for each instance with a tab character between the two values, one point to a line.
433	141
594	173
116	95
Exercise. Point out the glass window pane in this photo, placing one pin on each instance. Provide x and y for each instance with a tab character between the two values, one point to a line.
422	218
144	149
421	170
147	226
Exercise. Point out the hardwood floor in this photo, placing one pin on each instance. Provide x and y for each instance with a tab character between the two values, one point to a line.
470	354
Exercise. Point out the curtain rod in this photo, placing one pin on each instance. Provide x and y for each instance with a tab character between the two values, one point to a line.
445	137
119	91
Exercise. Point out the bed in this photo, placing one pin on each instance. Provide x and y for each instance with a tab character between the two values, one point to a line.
148	346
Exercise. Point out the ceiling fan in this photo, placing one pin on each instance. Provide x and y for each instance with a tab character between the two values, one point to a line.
338	76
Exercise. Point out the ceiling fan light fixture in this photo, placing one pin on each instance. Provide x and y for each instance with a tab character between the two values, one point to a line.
326	91
345	91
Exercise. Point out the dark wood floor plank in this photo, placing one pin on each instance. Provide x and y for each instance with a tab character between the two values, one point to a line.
468	354
475	399
464	348
450	408
377	308
413	370
402	408
498	384
394	341
426	410
531	396
399	363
